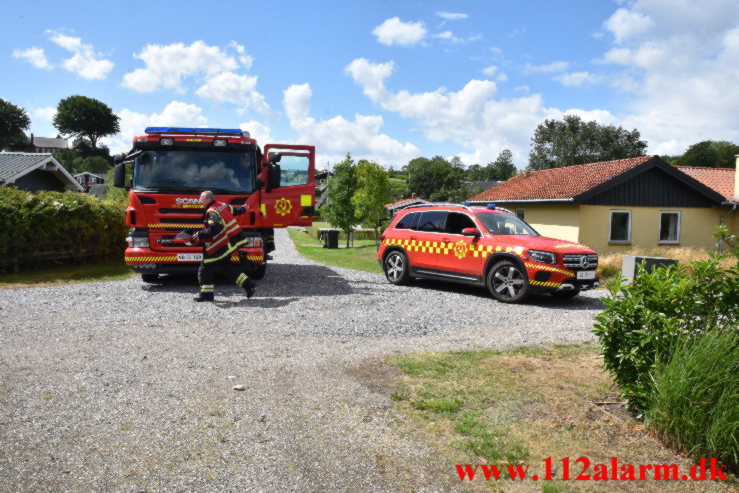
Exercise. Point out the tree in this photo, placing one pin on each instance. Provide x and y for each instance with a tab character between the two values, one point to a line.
502	168
572	141
435	178
371	195
80	116
13	123
339	210
709	153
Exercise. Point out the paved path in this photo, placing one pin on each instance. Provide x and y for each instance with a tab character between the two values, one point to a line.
123	386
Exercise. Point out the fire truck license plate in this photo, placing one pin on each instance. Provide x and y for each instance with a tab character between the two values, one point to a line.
189	257
586	274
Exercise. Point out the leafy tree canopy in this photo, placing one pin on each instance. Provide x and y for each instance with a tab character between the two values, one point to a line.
80	116
436	179
371	194
13	123
339	210
709	153
572	141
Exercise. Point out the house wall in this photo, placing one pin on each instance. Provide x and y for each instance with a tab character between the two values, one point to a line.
555	221
697	227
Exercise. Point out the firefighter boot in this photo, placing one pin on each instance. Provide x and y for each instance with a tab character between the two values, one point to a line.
249	288
204	297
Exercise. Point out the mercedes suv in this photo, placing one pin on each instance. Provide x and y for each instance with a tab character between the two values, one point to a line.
484	246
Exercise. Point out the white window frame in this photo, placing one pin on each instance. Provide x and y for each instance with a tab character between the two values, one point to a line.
659	228
610	226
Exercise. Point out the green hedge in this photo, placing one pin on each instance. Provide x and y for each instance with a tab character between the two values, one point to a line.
43	228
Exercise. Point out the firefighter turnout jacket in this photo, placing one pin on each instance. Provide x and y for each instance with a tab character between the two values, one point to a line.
221	234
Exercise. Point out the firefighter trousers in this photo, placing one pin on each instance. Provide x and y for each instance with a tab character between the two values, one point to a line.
207	273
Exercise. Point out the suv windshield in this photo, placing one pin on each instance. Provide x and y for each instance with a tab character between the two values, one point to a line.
182	171
499	223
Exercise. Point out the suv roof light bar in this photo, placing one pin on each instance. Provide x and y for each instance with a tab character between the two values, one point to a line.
463	205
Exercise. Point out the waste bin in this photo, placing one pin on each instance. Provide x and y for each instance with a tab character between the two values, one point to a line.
331	238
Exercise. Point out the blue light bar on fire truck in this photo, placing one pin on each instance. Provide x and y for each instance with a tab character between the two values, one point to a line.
156	130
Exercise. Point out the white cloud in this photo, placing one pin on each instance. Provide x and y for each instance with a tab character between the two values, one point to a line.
473	117
396	32
34	56
490	71
46	113
578	79
337	136
552	67
240	90
450	16
678	60
168	65
86	62
625	24
449	36
175	114
258	131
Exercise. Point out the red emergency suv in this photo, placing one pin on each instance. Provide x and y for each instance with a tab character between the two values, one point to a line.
484	246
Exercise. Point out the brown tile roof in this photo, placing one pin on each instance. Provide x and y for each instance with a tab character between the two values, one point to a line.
719	179
402	203
559	183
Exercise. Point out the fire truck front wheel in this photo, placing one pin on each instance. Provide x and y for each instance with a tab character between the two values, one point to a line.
256	272
150	278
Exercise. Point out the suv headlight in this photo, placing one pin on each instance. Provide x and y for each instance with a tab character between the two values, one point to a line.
543	257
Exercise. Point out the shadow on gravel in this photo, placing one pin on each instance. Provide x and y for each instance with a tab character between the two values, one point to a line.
282	280
540	300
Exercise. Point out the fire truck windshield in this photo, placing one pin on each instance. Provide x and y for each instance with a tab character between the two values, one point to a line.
192	171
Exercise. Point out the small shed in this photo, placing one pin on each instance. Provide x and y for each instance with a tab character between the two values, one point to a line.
35	172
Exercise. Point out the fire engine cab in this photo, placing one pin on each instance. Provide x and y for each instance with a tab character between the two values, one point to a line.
169	167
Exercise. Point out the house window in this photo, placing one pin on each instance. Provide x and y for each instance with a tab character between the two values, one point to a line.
620	227
669	227
521	213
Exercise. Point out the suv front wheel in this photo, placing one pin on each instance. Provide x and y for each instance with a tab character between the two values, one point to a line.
507	282
396	267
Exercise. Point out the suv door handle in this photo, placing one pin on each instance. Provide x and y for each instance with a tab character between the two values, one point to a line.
446	240
414	238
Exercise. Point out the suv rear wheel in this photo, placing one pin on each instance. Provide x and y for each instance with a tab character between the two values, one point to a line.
507	282
396	267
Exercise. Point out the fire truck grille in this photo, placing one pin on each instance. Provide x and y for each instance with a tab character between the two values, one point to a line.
581	262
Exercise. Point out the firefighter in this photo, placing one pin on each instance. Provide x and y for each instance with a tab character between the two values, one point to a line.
221	236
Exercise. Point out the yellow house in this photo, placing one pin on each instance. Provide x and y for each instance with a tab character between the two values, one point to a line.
614	206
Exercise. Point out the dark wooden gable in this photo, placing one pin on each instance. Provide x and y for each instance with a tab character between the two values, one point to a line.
655	184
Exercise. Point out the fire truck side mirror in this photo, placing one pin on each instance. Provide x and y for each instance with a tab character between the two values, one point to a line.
275	174
118	158
119	176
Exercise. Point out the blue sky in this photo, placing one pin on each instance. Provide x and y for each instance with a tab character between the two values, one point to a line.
386	81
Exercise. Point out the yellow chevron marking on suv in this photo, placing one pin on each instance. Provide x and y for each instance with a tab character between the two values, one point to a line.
545	284
551	269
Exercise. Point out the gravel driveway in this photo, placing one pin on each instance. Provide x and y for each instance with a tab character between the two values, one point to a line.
123	386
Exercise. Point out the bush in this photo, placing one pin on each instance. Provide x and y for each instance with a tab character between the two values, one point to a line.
644	321
695	405
38	228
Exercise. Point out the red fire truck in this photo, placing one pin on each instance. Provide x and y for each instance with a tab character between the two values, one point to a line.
168	168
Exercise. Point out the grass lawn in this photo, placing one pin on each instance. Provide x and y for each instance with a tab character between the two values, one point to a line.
67	274
522	406
363	256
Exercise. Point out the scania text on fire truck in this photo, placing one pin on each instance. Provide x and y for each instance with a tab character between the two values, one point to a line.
170	167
